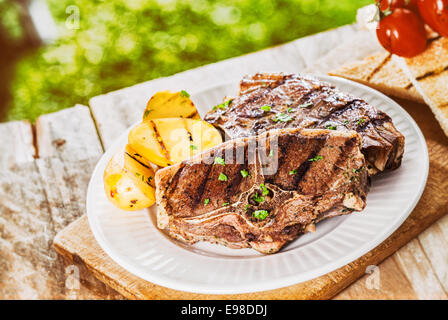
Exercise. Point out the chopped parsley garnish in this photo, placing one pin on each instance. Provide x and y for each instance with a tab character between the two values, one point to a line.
330	127
193	147
316	158
257	198
266	108
147	111
246	207
184	94
289	110
360	121
219	160
264	189
282	117
271	153
225	204
244	173
222	105
206	201
260	214
306	105
222	177
291	172
346	122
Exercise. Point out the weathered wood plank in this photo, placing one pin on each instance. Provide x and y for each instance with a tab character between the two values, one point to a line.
69	135
419	272
39	198
17	144
385	281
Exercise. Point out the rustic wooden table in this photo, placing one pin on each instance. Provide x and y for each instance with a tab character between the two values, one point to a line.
45	169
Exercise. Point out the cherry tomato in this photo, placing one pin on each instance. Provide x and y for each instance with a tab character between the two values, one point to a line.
435	14
394	4
402	33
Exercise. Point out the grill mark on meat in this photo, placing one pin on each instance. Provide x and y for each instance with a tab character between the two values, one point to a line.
305	167
234	225
199	196
329	105
349	105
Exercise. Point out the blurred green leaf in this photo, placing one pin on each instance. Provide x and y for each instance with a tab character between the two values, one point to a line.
120	43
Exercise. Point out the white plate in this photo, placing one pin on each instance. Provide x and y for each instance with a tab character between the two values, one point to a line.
133	241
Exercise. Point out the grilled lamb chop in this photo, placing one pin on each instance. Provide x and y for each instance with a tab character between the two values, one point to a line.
272	101
263	191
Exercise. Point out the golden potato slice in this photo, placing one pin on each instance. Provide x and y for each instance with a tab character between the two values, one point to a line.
144	140
203	134
125	189
140	168
167	104
174	139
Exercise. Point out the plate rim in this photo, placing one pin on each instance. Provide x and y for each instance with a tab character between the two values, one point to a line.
286	280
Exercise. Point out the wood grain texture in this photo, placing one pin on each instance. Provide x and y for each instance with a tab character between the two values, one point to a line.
39	196
17	144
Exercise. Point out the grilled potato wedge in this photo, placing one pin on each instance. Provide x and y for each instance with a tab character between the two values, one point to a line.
172	140
129	183
167	104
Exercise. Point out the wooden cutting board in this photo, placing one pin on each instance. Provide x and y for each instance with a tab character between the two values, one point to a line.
415	271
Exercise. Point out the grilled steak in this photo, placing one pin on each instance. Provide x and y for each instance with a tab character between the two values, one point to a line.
263	191
272	101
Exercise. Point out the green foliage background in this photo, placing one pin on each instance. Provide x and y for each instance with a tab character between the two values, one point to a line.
120	43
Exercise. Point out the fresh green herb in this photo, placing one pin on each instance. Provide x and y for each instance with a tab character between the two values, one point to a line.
291	172
219	160
360	121
222	177
264	189
184	94
206	201
271	153
137	174
246	207
257	198
306	105
147	111
244	173
316	158
266	108
346	122
193	147
222	105
225	204
282	117
260	214
357	170
289	110
330	127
